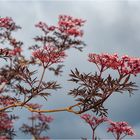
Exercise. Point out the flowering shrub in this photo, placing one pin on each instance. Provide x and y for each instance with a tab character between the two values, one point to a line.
19	83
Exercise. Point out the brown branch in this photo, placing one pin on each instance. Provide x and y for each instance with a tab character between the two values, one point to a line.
2	86
18	104
42	76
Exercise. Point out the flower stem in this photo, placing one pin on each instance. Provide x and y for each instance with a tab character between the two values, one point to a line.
42	77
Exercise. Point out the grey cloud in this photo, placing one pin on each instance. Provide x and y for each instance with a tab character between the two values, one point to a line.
111	27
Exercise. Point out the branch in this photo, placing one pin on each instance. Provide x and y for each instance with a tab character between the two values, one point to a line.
2	86
68	109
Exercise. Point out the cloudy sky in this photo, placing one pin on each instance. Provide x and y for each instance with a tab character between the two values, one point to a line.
112	26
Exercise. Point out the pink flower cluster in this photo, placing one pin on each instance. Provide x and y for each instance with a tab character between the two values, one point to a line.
14	52
49	55
119	128
6	100
92	120
44	27
42	118
70	26
3	138
5	122
125	64
7	23
66	24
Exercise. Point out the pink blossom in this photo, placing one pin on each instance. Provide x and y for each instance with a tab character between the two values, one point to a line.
92	120
51	28
49	55
44	27
8	23
124	64
70	26
6	52
15	51
5	122
6	100
3	138
74	32
105	60
120	129
42	117
45	118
